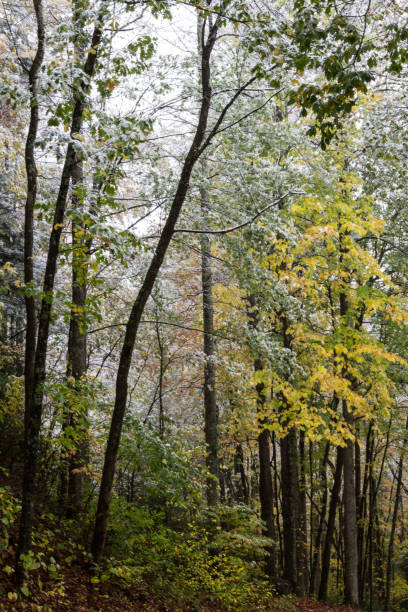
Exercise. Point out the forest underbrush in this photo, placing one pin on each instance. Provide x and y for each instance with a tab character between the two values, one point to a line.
150	566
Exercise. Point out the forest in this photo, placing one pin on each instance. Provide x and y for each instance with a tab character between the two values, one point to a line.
203	305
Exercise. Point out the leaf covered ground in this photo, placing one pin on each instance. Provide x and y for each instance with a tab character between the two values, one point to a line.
80	595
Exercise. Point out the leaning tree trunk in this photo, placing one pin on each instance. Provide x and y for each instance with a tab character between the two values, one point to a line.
196	149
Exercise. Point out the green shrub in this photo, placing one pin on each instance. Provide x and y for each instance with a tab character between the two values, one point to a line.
9	508
399	593
198	565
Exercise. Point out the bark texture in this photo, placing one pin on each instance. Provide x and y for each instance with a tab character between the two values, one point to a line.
209	388
77	348
351	595
31	171
266	490
290	506
397	502
331	523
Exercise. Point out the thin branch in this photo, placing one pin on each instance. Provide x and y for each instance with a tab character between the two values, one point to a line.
251	112
241	225
218	334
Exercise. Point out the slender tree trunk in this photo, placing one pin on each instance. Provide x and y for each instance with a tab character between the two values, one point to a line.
370	538
319	534
311	514
209	387
302	561
34	415
277	511
357	479
379	565
31	171
162	369
77	336
71	479
397	501
362	511
265	477
351	567
102	513
77	348
331	523
350	520
239	468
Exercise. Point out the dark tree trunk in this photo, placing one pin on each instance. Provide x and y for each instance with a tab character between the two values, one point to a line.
357	478
303	569
362	511
31	171
276	497
209	389
102	513
331	523
312	519
397	502
33	422
351	595
290	506
314	577
265	477
239	468
162	369
77	349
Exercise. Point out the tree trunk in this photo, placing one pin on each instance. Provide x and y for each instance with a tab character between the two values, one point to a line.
362	511
34	412
397	501
265	477
302	561
314	578
77	349
162	369
102	513
31	171
276	497
290	506
351	596
331	522
239	468
210	398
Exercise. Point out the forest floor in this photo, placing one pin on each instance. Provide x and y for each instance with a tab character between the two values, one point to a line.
79	595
